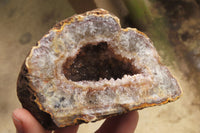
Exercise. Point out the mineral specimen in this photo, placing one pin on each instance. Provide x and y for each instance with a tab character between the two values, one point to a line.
88	68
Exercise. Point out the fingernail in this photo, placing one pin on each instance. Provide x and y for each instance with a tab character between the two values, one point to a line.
17	123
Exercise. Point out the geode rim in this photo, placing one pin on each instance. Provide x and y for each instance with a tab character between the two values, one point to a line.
61	82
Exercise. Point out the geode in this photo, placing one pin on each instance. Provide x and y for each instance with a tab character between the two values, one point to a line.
88	68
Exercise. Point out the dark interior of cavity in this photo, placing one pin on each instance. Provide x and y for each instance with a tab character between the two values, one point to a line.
95	62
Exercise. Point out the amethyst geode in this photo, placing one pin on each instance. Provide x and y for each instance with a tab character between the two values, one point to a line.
88	68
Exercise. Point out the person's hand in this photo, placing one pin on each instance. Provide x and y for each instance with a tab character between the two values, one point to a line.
26	123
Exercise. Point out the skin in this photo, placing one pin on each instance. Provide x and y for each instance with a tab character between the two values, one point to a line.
26	123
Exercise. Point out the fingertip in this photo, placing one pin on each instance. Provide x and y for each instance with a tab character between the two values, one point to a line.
131	120
17	122
70	129
25	122
132	116
128	122
125	123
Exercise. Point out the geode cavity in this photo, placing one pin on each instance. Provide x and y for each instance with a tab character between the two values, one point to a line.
88	68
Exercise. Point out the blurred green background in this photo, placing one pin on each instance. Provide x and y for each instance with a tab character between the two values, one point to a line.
172	25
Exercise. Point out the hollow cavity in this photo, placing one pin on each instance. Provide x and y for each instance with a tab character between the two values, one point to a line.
95	62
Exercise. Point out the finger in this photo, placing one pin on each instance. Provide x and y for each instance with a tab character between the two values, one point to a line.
125	123
26	123
71	129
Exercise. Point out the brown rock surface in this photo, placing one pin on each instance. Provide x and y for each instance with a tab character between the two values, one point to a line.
88	68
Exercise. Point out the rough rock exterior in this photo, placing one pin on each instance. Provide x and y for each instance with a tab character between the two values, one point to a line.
88	68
